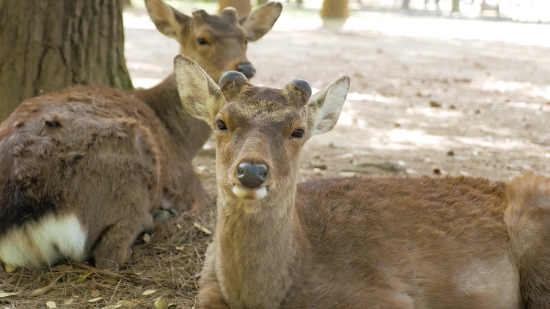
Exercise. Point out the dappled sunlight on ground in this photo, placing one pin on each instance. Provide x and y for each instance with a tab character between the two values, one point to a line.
429	95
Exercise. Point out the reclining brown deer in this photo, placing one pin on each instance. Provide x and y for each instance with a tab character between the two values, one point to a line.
83	169
453	242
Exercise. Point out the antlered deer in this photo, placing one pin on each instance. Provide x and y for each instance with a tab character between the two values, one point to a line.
82	169
454	242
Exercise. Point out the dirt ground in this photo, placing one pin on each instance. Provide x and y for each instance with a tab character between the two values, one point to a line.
429	96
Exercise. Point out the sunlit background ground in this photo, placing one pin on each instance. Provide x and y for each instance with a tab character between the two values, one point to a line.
433	93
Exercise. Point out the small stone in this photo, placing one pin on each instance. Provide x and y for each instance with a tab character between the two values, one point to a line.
437	171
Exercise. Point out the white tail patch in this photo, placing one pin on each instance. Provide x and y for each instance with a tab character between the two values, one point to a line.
41	243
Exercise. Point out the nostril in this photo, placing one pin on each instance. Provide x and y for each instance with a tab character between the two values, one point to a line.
252	175
247	69
240	169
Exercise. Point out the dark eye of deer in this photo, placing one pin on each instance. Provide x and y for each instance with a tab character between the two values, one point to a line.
298	133
202	41
221	125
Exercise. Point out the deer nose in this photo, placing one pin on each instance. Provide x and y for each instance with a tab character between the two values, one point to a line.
252	175
247	69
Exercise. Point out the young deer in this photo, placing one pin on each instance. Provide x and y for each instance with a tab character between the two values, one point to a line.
454	242
83	169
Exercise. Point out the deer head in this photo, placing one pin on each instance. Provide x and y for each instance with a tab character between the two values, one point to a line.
217	43
260	131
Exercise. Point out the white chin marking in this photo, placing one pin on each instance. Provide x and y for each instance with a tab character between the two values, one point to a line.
249	193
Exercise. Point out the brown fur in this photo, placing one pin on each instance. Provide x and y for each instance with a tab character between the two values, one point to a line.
112	157
452	242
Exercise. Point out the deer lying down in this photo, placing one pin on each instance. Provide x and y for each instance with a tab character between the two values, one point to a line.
83	169
454	242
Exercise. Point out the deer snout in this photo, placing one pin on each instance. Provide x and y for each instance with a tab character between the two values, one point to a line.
247	69
252	175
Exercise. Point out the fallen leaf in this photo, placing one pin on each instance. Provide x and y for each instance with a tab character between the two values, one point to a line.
148	292
180	248
51	304
93	300
146	238
82	277
40	291
68	301
126	303
161	304
202	228
112	307
8	294
9	268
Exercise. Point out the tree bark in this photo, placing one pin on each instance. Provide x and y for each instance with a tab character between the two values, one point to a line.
242	6
335	9
455	6
406	4
49	45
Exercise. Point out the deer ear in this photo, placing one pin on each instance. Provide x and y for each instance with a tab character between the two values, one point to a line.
168	20
258	22
199	94
324	107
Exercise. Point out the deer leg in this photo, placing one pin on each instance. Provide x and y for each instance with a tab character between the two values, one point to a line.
210	293
114	246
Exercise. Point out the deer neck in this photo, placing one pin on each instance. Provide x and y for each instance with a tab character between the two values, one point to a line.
190	132
257	252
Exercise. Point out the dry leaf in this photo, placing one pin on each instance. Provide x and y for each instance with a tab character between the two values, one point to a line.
93	300
68	301
161	304
51	304
148	292
95	293
40	291
2	294
82	277
126	303
180	248
112	307
202	228
146	238
9	268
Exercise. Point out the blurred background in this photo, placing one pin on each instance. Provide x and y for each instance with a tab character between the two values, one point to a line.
434	92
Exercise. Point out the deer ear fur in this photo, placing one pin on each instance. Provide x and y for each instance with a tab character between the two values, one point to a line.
199	94
325	106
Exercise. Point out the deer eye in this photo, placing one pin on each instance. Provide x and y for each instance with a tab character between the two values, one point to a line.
202	41
220	125
298	133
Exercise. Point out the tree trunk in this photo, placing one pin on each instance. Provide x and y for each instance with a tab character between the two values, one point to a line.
261	2
405	5
242	6
455	6
335	9
49	45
